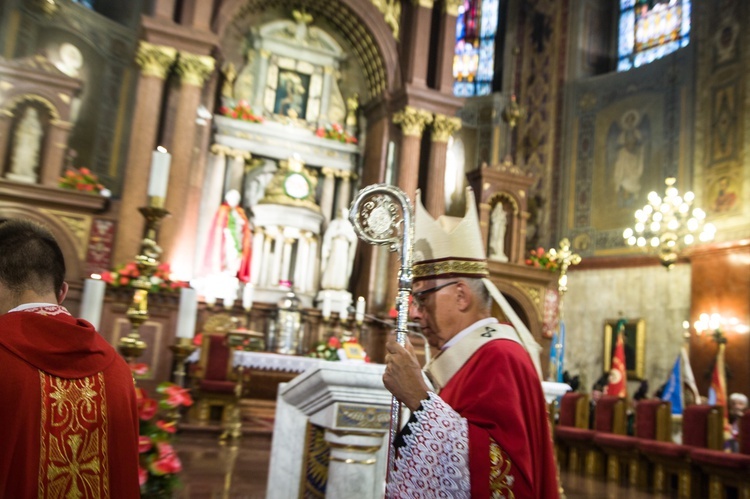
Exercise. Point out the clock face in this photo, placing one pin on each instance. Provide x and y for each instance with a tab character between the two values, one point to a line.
296	186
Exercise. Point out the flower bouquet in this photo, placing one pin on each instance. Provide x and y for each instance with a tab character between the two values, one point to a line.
241	111
124	275
540	258
82	179
159	465
334	349
335	132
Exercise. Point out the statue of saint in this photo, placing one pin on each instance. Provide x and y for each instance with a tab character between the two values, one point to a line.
230	74
337	254
27	143
244	83
498	224
229	246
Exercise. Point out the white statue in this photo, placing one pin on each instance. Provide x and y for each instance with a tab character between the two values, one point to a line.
27	143
498	224
629	160
337	257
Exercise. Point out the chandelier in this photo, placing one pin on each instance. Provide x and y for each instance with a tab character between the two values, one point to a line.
668	225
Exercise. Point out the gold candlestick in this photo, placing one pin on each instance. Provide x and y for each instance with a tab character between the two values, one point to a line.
181	350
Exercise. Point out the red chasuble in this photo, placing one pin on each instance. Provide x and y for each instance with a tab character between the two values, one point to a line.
68	416
498	392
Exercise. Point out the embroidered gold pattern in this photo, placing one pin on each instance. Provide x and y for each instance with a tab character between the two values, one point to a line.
501	481
450	267
73	438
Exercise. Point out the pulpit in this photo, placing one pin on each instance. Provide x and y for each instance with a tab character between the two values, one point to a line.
330	434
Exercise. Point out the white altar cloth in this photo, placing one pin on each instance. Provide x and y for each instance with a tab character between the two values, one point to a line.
266	361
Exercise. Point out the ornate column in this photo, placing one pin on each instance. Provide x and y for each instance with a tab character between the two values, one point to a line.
314	266
256	263
278	253
301	264
446	46
352	459
236	171
55	143
260	84
185	182
417	43
266	260
326	197
286	259
442	129
154	61
345	192
412	122
325	99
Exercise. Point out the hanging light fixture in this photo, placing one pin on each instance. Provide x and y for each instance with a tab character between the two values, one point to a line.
668	224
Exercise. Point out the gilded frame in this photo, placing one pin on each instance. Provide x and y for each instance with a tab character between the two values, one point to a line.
635	342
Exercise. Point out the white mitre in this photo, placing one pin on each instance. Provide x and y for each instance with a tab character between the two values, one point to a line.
453	247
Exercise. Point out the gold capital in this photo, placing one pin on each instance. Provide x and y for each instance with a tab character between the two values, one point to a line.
427	4
450	7
443	127
155	60
412	120
194	69
327	172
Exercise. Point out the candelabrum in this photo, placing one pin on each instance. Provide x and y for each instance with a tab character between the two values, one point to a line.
132	346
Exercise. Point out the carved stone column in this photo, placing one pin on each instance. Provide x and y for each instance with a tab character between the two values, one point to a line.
55	143
325	99
442	129
352	460
314	274
286	259
446	46
345	192
278	253
185	182
412	122
302	263
155	62
326	197
260	84
256	263
266	260
417	43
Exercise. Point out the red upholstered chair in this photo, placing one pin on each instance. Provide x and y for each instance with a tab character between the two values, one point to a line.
653	421
216	382
724	469
571	431
701	428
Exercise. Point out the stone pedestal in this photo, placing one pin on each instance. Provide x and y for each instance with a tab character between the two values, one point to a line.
335	413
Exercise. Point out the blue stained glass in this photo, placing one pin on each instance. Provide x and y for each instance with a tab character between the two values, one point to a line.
484	89
463	89
474	67
651	30
489	18
486	61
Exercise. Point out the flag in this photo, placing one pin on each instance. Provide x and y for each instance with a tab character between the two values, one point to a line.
689	377
719	386
618	377
556	353
673	389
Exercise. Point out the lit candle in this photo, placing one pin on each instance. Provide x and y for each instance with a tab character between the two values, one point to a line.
344	312
326	306
247	296
187	313
92	300
359	316
159	177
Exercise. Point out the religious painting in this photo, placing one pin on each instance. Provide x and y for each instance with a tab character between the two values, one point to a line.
626	161
724	123
634	337
292	93
723	194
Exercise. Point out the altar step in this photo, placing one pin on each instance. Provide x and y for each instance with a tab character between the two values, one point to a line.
257	419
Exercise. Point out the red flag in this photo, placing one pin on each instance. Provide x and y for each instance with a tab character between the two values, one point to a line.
719	385
618	377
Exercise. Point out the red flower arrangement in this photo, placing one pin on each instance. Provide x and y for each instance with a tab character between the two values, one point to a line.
335	132
124	275
330	350
540	258
159	464
241	111
83	180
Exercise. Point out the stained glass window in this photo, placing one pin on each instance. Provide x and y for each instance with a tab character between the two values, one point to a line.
85	3
474	57
650	29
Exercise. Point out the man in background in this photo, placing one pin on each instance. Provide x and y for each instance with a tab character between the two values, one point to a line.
481	430
68	419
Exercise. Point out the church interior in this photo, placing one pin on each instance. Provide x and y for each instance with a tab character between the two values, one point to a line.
197	160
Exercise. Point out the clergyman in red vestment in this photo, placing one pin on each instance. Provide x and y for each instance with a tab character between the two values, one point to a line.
481	429
68	419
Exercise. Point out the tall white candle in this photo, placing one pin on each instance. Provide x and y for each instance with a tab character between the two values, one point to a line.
247	296
187	314
359	315
92	300
159	177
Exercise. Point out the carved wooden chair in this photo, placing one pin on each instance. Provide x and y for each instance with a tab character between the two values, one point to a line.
216	382
702	427
723	469
572	430
653	421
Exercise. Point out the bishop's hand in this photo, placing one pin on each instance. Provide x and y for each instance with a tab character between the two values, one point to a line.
403	375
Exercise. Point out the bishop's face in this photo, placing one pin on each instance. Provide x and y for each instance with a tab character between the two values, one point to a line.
433	306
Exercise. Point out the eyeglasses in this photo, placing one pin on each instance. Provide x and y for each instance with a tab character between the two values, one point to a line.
419	297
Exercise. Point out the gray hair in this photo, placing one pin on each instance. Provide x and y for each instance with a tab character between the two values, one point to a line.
479	290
